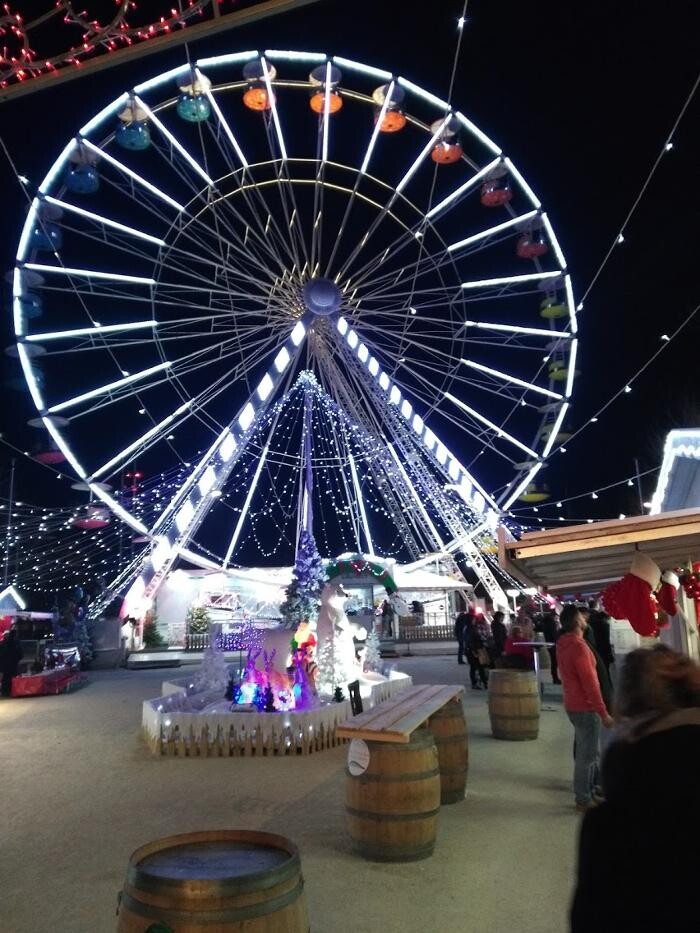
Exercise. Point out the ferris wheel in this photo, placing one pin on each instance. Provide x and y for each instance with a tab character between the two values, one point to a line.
222	226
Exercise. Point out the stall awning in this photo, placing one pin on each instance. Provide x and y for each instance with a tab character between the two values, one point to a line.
588	557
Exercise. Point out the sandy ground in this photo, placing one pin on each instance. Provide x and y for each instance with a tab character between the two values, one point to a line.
80	793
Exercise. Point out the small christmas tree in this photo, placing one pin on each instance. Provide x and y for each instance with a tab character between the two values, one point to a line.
197	620
152	637
81	635
308	579
331	667
268	700
338	695
373	659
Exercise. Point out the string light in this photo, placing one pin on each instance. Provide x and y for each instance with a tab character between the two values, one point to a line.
118	32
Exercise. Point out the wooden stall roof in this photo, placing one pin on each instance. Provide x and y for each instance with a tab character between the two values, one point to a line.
593	555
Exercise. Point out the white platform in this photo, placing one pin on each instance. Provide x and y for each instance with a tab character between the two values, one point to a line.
202	724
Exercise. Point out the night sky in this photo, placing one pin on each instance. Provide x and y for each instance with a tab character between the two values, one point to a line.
582	102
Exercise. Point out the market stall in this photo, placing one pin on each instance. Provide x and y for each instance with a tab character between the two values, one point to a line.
585	559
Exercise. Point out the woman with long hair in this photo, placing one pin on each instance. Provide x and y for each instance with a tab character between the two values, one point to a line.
637	867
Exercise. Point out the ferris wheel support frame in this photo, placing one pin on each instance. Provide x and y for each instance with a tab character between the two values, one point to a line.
179	521
388	396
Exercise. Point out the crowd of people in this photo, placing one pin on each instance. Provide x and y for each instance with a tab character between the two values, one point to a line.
639	800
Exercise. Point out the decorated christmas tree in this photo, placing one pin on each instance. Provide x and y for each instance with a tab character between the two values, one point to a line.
197	620
308	579
373	659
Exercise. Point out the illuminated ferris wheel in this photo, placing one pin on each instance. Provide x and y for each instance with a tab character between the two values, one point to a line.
227	224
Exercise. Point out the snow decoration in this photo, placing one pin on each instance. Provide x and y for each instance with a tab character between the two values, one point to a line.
372	659
337	661
213	675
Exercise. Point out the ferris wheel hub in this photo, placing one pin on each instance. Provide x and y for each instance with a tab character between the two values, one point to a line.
322	296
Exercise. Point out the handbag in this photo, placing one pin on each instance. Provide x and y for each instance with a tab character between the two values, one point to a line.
482	656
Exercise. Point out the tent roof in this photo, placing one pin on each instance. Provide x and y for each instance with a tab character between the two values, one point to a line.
594	555
678	486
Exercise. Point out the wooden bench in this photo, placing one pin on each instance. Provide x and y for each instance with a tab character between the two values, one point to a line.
398	774
396	719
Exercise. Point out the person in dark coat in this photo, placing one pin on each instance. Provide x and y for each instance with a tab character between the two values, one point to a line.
10	656
499	634
599	622
637	862
461	623
550	630
477	638
606	687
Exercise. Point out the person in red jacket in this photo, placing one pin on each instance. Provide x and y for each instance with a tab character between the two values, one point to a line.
583	701
517	655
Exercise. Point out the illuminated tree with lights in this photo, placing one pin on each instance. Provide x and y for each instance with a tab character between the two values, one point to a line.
198	620
308	579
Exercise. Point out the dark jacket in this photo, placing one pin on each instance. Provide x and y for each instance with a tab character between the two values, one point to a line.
10	654
606	687
550	629
599	623
637	864
461	623
500	634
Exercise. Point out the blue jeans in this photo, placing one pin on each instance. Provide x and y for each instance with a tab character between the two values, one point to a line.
587	736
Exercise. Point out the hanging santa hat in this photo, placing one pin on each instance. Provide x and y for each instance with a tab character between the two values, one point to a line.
632	597
668	592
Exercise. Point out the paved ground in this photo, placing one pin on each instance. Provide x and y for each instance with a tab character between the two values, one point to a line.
80	793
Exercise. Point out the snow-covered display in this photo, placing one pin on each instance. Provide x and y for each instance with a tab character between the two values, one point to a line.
372	658
213	674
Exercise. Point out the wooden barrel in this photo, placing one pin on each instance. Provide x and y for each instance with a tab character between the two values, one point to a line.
449	730
514	705
392	806
217	882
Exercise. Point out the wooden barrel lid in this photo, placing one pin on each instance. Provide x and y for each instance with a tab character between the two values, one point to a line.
230	860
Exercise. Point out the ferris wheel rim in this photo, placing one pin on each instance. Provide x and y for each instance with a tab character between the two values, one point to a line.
110	109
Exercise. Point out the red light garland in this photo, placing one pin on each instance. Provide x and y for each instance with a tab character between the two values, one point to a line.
19	61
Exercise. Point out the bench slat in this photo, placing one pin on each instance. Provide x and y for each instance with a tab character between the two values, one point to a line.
406	701
384	714
394	720
418	716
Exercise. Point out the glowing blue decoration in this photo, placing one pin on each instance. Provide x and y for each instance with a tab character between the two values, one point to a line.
194	108
247	693
82	179
135	136
258	699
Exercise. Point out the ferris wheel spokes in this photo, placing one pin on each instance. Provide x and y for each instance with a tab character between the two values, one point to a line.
344	269
394	398
176	418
